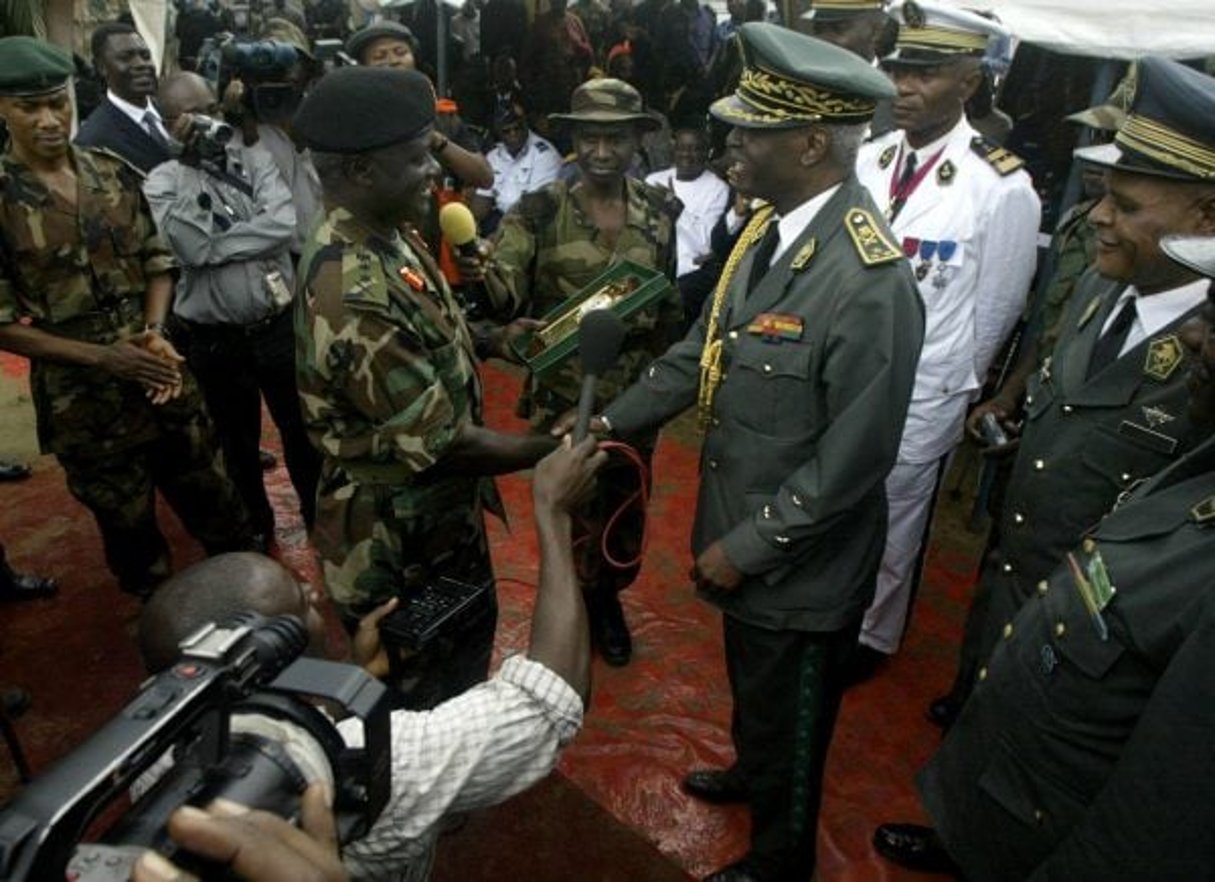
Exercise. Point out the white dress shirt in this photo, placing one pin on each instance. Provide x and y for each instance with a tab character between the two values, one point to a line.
537	164
1155	311
793	223
139	114
705	199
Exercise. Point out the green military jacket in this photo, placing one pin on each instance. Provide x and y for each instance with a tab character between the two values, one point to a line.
548	249
1085	752
1085	442
817	366
387	376
81	272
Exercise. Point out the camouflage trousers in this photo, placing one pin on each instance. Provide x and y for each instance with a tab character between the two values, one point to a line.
375	544
182	460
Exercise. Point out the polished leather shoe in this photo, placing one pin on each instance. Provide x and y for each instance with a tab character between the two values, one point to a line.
913	846
944	710
609	630
716	785
18	586
12	471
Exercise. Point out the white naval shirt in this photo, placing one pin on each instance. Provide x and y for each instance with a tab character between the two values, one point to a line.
537	164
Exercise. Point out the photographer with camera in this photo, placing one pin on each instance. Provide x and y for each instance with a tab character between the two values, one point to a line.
226	213
475	750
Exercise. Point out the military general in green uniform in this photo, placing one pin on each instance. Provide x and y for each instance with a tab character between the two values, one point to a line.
802	367
553	243
388	378
85	285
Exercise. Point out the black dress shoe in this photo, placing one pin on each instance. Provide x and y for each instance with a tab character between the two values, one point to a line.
863	664
267	459
17	586
913	846
609	630
12	471
944	710
736	872
719	786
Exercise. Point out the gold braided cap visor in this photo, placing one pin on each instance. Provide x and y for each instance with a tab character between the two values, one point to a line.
939	39
846	5
767	99
1167	146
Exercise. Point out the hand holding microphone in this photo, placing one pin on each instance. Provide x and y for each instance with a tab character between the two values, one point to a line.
600	334
460	230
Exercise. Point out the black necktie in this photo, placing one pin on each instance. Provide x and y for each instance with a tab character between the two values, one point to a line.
903	188
763	254
1109	344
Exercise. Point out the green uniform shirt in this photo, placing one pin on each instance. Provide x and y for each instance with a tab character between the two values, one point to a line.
548	249
81	271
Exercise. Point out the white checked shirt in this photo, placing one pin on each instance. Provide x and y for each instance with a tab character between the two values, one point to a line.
475	750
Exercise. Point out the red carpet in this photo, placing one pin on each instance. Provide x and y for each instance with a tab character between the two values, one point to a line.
617	812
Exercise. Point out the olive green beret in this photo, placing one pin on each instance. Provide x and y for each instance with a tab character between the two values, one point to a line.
32	67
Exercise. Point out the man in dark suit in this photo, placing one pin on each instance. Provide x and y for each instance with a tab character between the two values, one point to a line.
802	364
127	121
1085	750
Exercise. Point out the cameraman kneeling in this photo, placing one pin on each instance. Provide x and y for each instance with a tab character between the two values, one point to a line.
476	749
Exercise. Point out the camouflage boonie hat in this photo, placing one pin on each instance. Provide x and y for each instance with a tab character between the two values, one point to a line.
606	100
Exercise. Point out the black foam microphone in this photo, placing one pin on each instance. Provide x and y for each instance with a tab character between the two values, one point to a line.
600	334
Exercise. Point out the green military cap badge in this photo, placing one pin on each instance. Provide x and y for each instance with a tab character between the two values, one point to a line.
1163	356
31	67
872	243
791	80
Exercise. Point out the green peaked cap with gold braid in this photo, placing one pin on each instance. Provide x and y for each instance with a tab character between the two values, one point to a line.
791	80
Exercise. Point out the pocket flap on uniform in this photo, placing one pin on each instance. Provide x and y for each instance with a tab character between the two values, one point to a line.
1026	795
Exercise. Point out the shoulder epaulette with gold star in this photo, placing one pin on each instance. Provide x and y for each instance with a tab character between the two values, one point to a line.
873	245
1005	162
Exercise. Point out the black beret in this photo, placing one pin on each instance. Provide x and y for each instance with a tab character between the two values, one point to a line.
32	67
355	109
361	39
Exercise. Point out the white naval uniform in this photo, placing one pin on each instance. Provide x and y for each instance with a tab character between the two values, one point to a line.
986	225
537	164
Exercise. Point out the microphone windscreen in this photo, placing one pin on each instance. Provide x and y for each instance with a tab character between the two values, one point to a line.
600	334
457	223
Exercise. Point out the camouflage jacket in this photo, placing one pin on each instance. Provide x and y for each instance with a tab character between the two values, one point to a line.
1074	244
548	249
384	361
81	272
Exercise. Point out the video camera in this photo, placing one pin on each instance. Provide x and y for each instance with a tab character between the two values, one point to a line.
230	719
268	68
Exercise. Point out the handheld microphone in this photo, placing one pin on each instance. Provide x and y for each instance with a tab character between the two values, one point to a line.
459	227
600	334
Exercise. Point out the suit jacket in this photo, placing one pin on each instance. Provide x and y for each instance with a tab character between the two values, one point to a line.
109	127
972	233
1082	757
806	422
1085	442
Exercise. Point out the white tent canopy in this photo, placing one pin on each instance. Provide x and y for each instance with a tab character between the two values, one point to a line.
1124	29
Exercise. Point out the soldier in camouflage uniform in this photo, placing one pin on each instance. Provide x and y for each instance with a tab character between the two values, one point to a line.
388	380
81	262
552	244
